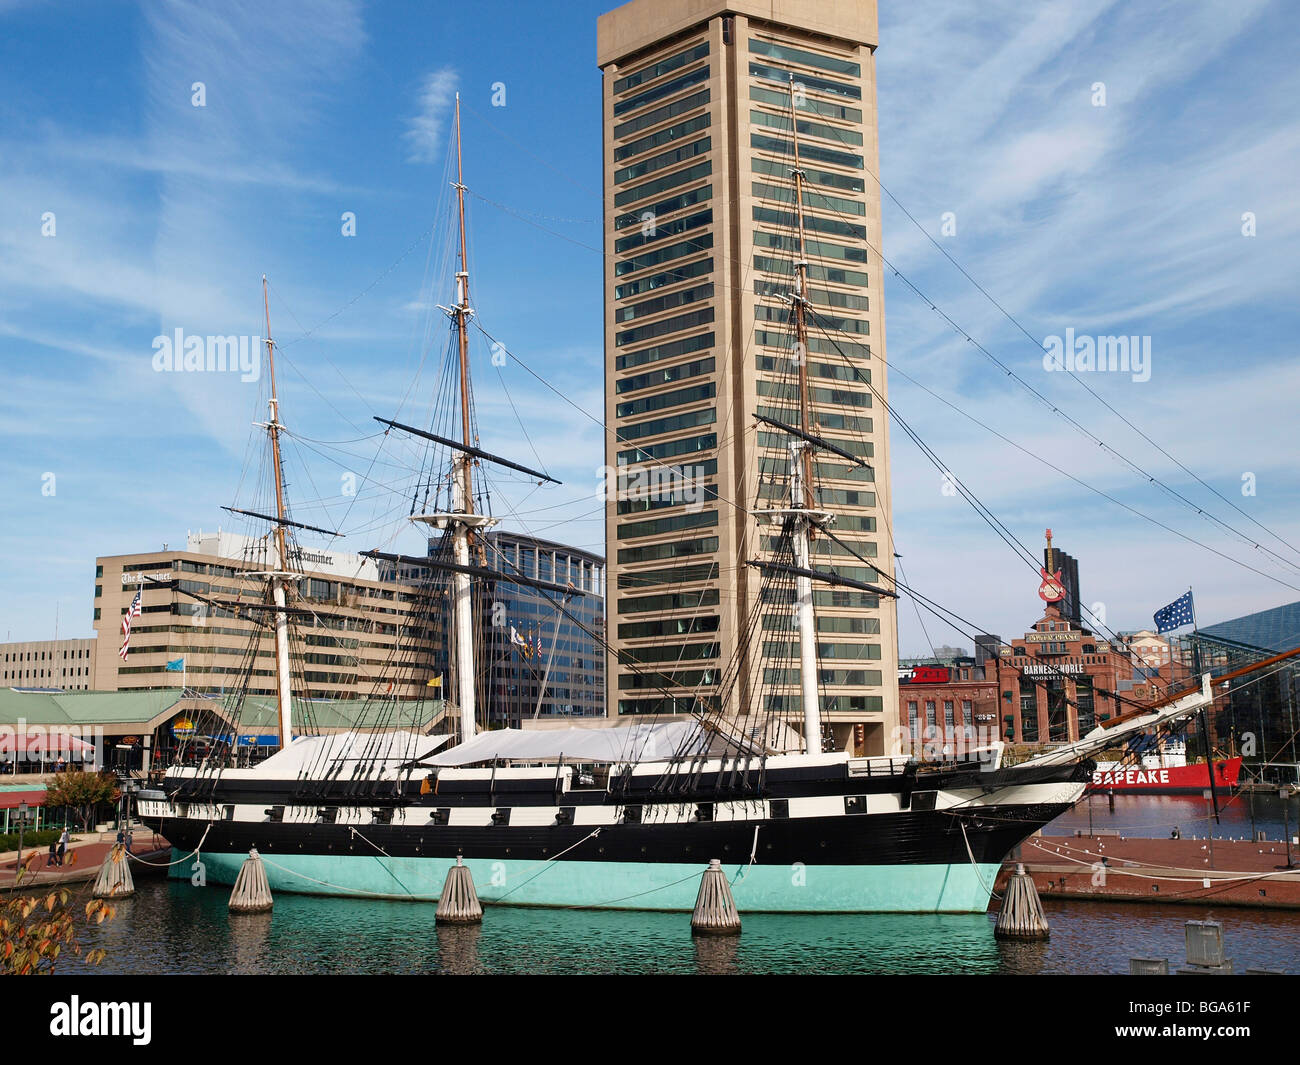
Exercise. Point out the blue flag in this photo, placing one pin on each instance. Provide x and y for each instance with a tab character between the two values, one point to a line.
1177	614
176	665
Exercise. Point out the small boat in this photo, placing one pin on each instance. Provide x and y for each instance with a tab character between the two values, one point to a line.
1161	768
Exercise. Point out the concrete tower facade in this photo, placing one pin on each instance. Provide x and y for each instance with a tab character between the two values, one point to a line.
701	241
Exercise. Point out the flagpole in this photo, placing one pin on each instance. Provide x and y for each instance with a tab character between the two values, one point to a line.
1204	715
1196	643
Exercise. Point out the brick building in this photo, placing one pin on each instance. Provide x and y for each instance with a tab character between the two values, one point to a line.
1061	679
948	701
1052	685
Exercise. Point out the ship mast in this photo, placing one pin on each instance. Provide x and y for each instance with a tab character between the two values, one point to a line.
461	522
462	315
462	492
279	576
803	512
461	519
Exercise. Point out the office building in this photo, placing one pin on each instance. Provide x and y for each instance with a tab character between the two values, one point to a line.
700	249
356	635
546	658
68	665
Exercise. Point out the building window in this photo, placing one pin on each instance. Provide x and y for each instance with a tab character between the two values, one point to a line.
664	66
668	88
660	138
691	520
1028	710
1058	713
1084	701
786	54
782	77
663	184
660	114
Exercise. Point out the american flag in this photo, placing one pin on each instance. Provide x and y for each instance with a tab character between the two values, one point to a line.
133	612
1177	614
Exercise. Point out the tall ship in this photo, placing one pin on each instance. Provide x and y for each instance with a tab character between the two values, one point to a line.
619	817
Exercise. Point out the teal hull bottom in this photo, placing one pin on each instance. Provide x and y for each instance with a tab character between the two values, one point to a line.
960	888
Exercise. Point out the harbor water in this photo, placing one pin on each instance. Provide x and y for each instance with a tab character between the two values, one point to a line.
1191	815
173	927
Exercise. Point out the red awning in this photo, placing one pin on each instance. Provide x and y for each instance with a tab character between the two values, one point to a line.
9	800
36	744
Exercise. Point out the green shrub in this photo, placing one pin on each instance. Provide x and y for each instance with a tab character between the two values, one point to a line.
41	839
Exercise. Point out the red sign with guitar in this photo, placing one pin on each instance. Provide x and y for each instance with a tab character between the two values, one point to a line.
1051	590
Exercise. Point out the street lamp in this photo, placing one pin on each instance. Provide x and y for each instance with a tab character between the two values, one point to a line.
22	821
129	789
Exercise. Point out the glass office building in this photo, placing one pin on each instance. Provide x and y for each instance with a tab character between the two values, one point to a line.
532	635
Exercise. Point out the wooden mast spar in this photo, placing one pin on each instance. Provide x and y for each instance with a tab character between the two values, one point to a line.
804	514
278	577
462	520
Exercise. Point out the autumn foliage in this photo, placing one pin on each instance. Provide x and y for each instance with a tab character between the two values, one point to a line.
37	930
81	792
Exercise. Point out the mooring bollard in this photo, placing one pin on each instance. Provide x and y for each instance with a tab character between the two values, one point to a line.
252	892
1205	949
114	880
458	903
1021	916
715	910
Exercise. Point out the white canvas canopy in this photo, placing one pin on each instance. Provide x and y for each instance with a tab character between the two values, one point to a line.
638	743
314	754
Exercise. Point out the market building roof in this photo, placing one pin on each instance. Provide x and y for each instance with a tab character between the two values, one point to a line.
85	707
147	709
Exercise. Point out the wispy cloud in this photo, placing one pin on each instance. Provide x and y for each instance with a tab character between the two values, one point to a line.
425	130
1122	218
1117	219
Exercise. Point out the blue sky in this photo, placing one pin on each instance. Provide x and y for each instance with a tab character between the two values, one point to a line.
1125	219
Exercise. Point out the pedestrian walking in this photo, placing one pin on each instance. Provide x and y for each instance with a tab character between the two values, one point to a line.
53	855
63	844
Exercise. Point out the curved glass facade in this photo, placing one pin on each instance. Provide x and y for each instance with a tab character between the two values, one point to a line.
521	635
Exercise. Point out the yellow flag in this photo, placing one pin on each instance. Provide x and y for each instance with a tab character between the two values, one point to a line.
434	682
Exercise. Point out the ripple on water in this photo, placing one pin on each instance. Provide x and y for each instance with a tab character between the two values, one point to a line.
171	927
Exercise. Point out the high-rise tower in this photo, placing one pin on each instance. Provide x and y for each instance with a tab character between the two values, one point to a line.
700	104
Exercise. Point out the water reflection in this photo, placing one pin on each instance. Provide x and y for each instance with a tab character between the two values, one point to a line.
716	955
458	949
249	935
1159	815
173	928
